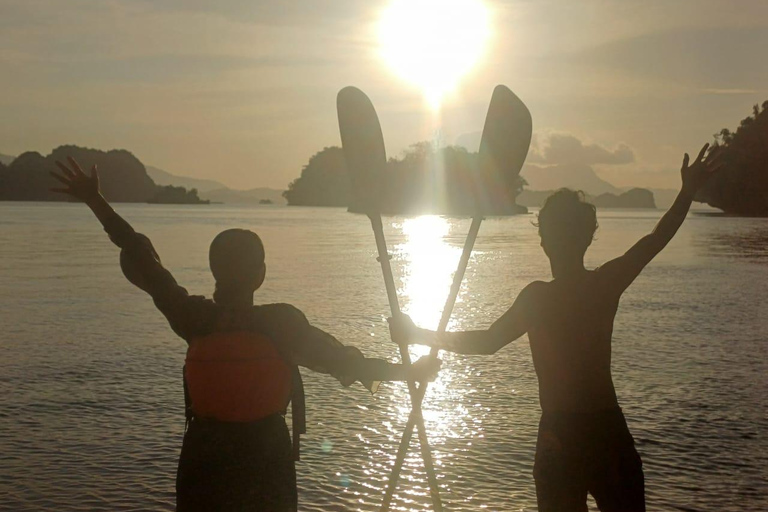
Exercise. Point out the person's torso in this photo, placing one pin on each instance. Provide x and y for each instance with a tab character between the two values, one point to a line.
570	340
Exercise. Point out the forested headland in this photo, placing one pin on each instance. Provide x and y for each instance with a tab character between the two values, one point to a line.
741	187
122	176
425	179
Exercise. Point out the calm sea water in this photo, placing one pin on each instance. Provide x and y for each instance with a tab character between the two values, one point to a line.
91	414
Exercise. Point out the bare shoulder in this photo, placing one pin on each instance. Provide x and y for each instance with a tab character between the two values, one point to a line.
533	292
535	288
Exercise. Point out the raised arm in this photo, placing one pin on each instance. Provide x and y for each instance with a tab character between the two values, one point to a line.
509	327
140	263
622	271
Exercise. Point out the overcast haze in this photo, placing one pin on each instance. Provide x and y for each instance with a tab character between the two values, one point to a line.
243	92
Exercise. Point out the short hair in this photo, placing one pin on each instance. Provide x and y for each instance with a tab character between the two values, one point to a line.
567	221
236	255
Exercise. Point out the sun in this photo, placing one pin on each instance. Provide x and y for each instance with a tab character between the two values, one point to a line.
433	43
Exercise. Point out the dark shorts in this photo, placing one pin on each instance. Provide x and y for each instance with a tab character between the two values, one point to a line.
237	467
580	453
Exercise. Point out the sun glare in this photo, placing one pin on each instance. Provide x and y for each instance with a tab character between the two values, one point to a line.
433	43
431	264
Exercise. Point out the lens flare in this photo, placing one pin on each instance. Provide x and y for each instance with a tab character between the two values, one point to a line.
433	43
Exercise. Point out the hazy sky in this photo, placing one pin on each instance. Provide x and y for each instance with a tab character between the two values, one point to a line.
244	91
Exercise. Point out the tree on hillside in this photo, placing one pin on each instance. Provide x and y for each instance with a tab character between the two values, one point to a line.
741	188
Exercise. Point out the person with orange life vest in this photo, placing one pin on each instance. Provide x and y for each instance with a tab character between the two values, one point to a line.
241	369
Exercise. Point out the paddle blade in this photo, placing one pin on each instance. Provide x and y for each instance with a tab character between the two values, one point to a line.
363	146
503	149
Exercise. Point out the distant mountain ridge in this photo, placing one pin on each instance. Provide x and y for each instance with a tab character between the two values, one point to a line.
162	177
6	159
216	191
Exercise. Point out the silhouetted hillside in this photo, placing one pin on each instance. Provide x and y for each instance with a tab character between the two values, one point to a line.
323	181
176	195
634	198
423	180
123	177
6	159
741	188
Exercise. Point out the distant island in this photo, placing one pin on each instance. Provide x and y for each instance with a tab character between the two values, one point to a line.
741	188
123	178
639	198
424	179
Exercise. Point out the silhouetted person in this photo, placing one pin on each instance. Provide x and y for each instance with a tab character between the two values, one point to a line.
241	366
584	445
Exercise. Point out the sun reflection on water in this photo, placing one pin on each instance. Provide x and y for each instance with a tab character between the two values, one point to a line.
428	261
431	262
425	260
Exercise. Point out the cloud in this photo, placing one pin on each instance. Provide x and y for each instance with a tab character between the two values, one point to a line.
735	91
274	12
560	148
721	58
562	160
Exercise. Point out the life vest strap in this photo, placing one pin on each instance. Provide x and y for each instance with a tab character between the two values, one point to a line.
188	415
298	411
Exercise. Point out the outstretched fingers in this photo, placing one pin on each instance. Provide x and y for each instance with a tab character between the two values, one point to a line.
686	159
66	170
62	179
75	166
702	153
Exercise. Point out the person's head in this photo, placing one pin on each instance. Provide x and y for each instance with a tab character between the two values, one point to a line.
567	224
236	258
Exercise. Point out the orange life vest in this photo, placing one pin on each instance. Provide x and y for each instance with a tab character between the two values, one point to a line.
236	376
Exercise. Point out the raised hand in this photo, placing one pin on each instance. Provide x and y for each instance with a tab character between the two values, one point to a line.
76	183
697	174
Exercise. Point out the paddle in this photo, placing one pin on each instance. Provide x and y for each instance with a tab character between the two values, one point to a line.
366	159
503	148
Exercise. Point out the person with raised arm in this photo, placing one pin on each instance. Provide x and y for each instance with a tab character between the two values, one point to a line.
241	368
584	445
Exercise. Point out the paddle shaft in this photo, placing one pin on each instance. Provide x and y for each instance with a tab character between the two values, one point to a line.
416	417
394	306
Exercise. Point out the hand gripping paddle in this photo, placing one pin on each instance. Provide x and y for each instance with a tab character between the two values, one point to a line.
366	159
503	149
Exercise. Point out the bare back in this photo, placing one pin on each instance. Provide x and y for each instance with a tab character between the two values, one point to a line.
570	337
